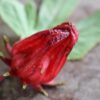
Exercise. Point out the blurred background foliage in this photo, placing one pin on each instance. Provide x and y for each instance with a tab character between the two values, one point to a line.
29	18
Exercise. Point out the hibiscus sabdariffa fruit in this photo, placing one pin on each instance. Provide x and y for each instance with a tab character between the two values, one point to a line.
36	60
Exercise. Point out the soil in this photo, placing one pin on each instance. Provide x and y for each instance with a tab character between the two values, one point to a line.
82	78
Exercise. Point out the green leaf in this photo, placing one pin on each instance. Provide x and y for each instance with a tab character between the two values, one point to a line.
30	9
17	16
22	18
89	30
54	12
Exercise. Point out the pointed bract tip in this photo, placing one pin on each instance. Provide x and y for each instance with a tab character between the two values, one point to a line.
6	39
24	86
44	92
6	74
1	54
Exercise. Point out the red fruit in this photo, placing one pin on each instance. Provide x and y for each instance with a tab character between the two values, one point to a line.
37	60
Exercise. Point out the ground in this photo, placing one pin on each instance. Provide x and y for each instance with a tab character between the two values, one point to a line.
82	78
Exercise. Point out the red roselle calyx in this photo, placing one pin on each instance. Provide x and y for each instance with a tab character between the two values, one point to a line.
36	60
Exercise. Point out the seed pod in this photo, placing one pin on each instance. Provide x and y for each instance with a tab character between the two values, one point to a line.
36	60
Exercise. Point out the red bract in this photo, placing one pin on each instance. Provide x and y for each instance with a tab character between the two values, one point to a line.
37	60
